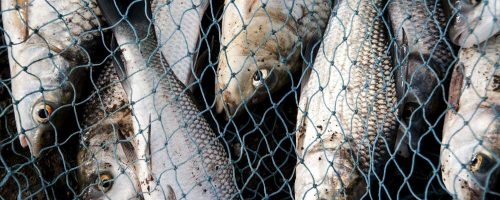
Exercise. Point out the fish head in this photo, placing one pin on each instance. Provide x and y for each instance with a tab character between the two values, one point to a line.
470	155
255	61
44	83
244	81
475	22
106	165
355	188
421	98
343	179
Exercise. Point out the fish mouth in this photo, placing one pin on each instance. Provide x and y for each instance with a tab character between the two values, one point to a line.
494	192
354	190
229	105
232	107
36	141
459	32
467	34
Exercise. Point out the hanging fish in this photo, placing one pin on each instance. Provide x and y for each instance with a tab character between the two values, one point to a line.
474	21
346	123
177	24
470	151
179	154
423	56
261	47
51	45
106	157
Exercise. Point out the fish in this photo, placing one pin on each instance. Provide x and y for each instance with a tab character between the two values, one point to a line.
106	157
346	121
179	154
261	47
470	148
423	55
473	21
50	48
177	26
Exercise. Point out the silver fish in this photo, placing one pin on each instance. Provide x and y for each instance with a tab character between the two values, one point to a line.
261	47
346	122
177	24
47	59
470	151
106	157
180	155
474	21
423	56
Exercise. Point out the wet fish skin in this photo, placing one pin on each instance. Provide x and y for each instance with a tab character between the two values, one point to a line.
106	149
346	107
178	150
47	59
179	46
474	21
263	38
423	55
470	151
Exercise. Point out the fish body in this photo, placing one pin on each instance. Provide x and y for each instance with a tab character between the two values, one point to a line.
48	57
346	123
180	155
177	24
106	157
474	21
470	151
423	56
261	47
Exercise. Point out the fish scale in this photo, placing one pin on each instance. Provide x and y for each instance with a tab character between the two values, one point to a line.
183	118
371	111
426	32
110	96
351	92
177	23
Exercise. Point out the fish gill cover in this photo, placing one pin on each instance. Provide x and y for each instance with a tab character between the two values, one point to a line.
249	99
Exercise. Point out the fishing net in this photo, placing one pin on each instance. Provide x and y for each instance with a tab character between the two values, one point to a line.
432	79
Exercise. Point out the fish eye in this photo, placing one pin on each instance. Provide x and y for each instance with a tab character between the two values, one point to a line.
104	183
43	113
481	163
260	76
